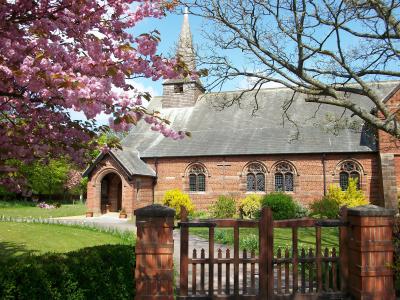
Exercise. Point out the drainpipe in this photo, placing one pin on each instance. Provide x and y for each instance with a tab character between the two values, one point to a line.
324	171
155	179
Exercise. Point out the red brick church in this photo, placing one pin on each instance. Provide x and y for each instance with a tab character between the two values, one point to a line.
236	150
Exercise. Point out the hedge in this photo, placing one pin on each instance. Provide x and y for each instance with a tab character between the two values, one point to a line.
100	272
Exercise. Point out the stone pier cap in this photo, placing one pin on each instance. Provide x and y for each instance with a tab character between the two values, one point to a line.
155	210
371	211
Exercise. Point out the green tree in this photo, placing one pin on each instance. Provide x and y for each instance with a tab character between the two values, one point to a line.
47	178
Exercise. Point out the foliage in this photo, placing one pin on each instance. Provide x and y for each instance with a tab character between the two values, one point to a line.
301	211
44	205
329	205
249	206
249	242
80	188
48	178
282	237
282	205
100	272
276	42
58	56
350	197
224	207
175	199
5	194
200	214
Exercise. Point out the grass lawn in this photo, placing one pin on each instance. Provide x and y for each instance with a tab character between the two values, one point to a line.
48	261
248	237
29	209
21	238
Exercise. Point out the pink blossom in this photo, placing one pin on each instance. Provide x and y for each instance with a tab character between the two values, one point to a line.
72	55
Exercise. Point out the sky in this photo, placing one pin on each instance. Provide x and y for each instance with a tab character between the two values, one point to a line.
169	28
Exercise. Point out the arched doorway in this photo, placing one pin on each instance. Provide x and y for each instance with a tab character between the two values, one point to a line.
111	193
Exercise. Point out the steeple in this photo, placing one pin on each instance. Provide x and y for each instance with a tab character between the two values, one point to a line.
185	47
183	92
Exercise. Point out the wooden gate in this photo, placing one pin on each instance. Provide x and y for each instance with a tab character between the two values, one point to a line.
294	273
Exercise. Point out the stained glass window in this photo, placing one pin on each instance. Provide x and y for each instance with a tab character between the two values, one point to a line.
256	177
260	184
251	183
344	180
278	182
356	176
284	178
349	169
197	178
289	182
192	182
201	181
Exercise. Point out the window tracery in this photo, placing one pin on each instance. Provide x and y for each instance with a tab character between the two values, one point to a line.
197	178
284	177
255	177
349	169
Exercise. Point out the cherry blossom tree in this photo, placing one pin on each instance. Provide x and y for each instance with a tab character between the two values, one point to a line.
62	55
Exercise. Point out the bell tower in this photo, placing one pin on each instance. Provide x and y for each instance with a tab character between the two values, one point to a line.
183	92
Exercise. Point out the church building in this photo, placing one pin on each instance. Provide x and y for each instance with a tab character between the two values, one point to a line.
282	145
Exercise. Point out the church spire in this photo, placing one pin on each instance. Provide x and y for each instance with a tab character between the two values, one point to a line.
183	91
185	46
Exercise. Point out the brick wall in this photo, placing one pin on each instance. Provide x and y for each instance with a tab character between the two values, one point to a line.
309	184
389	148
143	191
387	143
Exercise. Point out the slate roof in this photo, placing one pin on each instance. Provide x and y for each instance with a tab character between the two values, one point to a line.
129	161
235	131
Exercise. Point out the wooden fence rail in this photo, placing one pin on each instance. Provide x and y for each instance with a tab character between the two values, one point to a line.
280	274
361	267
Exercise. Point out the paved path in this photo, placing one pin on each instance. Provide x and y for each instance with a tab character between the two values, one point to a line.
107	221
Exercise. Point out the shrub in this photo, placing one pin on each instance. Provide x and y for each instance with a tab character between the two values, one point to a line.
350	197
250	206
325	208
74	275
249	242
200	214
329	205
225	207
282	205
175	199
301	211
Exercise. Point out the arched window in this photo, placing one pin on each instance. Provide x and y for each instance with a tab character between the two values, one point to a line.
197	178
256	177
284	177
349	169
